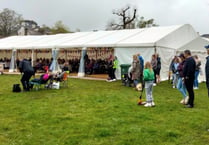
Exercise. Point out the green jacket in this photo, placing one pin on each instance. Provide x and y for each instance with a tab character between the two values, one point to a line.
115	64
148	76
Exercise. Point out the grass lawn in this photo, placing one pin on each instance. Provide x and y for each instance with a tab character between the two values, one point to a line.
92	112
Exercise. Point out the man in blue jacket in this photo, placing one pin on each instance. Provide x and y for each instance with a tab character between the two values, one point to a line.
207	69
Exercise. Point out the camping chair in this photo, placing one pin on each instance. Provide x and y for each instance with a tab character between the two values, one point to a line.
37	83
62	78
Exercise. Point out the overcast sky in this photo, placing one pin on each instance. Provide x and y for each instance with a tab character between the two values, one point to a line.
88	15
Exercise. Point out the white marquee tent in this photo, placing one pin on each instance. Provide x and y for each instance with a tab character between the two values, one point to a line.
166	41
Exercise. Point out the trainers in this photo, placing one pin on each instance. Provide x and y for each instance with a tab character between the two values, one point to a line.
114	80
154	84
153	104
189	106
148	105
182	101
186	100
195	88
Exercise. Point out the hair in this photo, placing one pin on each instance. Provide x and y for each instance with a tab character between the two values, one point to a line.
153	56
195	56
148	65
135	57
188	52
182	56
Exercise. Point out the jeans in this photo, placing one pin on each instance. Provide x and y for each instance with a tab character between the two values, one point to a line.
181	87
196	78
136	82
175	79
148	91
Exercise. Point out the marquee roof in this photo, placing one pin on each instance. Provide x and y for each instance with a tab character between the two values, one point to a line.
168	37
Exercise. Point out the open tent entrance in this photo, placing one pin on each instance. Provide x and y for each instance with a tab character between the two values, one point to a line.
94	59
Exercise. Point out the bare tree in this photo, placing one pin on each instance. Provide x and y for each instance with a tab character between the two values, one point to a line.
126	19
9	22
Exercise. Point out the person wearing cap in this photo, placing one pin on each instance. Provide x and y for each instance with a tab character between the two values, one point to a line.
207	69
189	75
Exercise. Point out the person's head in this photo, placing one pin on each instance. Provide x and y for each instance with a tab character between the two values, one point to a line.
110	58
153	56
148	65
187	53
176	59
135	57
207	47
179	59
195	57
181	56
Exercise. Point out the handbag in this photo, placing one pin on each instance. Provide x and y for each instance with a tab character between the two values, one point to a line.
16	88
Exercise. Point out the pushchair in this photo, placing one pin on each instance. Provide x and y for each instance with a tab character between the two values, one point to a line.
126	78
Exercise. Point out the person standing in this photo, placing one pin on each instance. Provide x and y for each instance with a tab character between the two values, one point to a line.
148	76
189	75
154	67
175	72
115	66
207	69
141	60
136	71
180	85
27	70
110	68
197	71
158	68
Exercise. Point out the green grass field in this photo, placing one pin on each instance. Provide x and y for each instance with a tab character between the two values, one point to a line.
92	112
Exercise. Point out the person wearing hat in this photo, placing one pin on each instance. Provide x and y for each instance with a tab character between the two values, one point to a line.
207	69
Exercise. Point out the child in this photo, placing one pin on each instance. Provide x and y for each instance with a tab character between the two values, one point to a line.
149	78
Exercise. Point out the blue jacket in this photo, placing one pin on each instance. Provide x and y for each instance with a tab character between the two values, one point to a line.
141	62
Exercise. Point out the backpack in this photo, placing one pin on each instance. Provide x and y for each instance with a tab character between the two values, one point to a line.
16	88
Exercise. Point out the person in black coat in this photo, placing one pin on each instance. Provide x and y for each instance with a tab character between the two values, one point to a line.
207	69
27	70
189	75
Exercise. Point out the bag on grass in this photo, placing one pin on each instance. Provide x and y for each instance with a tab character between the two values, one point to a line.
16	88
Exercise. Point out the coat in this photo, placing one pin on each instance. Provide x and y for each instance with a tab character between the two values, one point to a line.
136	70
207	70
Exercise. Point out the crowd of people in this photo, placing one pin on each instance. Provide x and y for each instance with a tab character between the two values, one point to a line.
92	66
147	74
185	72
184	68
